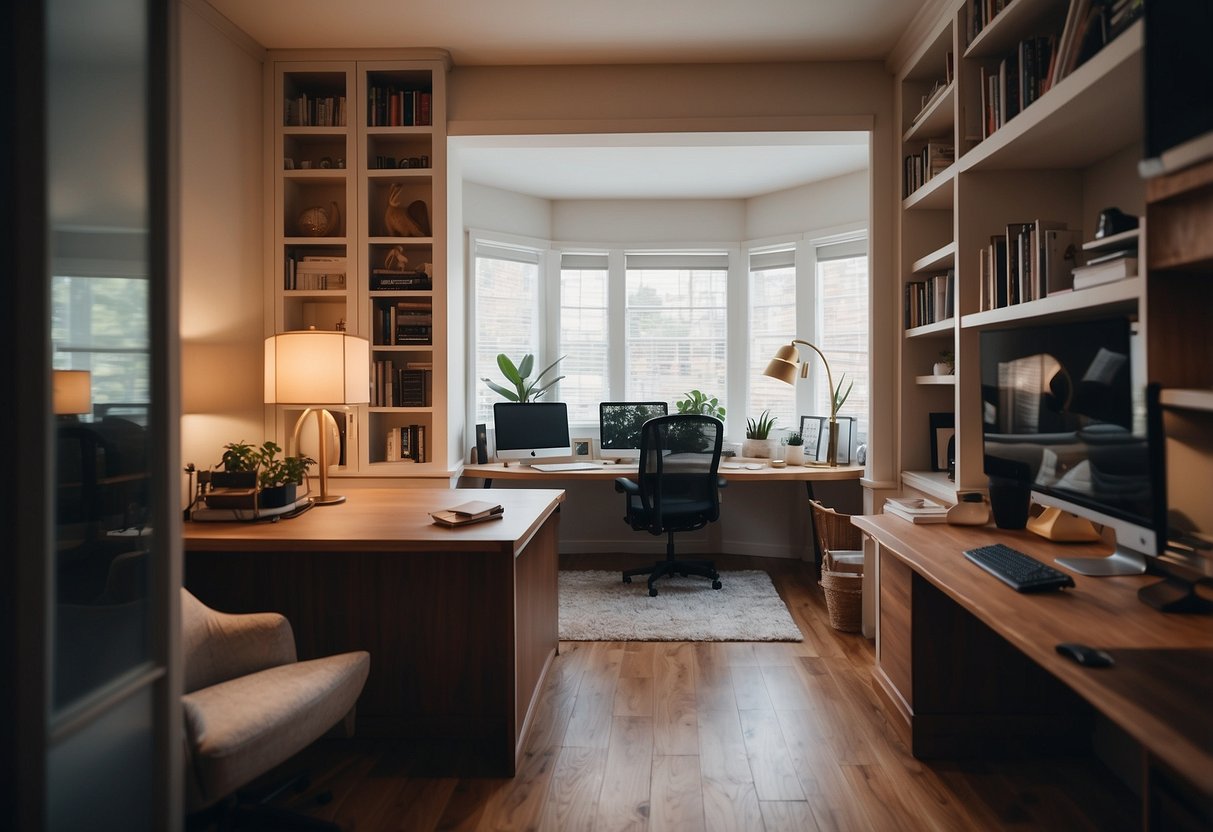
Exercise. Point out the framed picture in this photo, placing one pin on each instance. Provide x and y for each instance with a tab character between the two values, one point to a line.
812	428
846	438
943	427
583	448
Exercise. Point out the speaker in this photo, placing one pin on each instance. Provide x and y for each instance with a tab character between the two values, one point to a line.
482	444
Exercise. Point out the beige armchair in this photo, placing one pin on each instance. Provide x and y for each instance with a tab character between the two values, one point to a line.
248	704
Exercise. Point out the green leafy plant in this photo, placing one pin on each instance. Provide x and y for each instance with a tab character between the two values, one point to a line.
840	398
760	428
518	375
697	401
270	470
794	438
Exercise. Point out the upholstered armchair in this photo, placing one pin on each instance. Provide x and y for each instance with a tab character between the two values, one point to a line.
249	705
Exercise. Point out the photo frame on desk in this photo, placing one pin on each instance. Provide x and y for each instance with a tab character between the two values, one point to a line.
813	429
846	439
583	448
943	428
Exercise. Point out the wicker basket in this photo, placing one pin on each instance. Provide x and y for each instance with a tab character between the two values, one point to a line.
841	582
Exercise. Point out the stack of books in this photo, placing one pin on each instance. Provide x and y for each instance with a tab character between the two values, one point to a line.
916	510
476	511
1112	258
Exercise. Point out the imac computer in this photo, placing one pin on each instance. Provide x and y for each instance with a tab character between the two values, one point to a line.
531	432
619	426
1064	413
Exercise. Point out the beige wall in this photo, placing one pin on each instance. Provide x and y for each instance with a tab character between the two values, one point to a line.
222	239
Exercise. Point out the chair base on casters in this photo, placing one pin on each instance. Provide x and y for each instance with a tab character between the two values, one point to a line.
671	566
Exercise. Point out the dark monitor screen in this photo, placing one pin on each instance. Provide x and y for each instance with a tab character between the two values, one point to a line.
619	423
531	431
1064	412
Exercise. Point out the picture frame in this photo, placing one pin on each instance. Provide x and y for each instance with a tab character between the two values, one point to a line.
943	428
812	428
583	447
846	439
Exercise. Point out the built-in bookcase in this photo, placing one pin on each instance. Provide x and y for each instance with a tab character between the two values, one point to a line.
358	188
1058	158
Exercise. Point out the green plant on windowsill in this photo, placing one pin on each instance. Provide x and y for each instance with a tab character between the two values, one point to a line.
518	374
760	428
840	398
697	401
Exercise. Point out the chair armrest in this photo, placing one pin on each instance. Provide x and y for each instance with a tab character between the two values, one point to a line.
721	482
625	486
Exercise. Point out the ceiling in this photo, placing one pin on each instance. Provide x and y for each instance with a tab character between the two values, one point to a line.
554	32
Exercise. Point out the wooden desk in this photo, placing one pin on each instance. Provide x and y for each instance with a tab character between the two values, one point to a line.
461	623
789	473
968	665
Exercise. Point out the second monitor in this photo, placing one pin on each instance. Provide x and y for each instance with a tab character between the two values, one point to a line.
619	426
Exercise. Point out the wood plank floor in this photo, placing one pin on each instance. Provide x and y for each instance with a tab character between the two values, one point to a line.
714	736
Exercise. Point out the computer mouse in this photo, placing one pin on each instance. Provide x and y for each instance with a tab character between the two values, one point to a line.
1085	655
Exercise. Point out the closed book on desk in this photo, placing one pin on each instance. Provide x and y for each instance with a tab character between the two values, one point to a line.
926	512
475	511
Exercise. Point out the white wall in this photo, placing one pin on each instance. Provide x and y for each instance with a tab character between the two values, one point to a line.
222	238
643	221
829	203
505	211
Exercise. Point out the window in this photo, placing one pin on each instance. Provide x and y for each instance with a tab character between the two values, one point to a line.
507	316
584	340
676	318
93	330
772	325
842	325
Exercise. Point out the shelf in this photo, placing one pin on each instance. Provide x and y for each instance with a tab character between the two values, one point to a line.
313	241
400	241
1093	112
1116	241
945	326
423	409
402	348
1122	295
315	131
402	130
1199	400
932	483
949	380
935	194
395	293
315	293
936	120
400	173
941	258
1014	23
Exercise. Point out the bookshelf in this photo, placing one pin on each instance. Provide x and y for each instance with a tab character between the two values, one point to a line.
1061	158
359	179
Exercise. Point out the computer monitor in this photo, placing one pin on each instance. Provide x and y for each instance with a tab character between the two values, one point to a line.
1064	414
619	426
533	431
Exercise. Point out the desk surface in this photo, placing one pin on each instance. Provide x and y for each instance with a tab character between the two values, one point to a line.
382	519
1167	712
766	473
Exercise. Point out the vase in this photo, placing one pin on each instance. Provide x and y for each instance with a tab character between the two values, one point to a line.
795	454
756	448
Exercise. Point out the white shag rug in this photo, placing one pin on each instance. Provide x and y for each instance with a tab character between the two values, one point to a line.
598	606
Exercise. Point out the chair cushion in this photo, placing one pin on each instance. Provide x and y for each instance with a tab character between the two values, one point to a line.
241	728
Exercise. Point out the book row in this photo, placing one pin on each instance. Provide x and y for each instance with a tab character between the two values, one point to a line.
314	272
388	106
307	111
406	443
387	280
920	168
404	323
393	386
930	301
1031	261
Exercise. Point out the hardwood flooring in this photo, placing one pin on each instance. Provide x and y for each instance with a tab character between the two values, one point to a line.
714	736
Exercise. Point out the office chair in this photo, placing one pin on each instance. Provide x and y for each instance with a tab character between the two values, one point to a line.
676	489
249	705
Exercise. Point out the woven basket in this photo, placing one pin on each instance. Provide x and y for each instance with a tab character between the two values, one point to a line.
844	597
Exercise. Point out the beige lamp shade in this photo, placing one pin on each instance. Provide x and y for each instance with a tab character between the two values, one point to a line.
785	366
72	392
316	368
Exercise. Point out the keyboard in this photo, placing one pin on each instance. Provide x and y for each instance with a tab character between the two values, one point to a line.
565	466
1017	570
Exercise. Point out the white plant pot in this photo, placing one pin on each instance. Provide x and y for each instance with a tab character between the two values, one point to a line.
756	448
795	455
943	369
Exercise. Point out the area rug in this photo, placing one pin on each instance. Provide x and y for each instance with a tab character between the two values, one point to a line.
598	606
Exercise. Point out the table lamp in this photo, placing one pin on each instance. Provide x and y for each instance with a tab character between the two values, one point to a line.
317	369
786	366
72	392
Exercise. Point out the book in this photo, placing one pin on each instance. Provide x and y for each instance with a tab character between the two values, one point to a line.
1059	254
1105	272
476	511
916	510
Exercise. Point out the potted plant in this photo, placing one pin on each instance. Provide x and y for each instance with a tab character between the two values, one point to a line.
946	365
517	374
757	436
237	468
278	479
698	402
795	442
